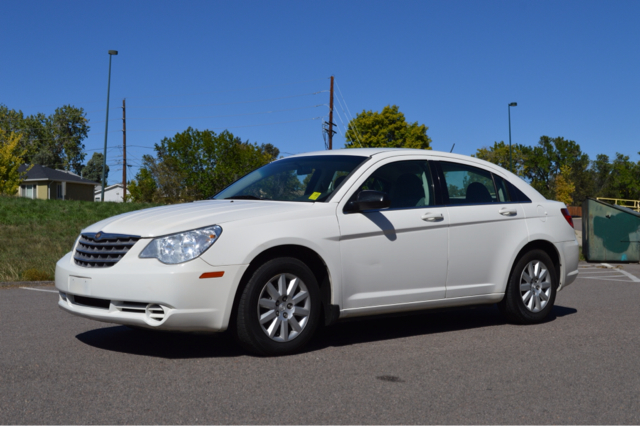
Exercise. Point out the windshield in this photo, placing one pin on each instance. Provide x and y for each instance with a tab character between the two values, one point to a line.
304	179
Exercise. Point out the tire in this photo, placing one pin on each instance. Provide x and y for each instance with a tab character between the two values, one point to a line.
520	304
279	309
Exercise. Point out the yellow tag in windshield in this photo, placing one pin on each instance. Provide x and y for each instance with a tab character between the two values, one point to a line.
315	195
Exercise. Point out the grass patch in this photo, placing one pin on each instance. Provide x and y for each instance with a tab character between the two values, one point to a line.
35	234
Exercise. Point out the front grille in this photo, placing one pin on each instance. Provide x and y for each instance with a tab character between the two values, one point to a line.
98	250
91	301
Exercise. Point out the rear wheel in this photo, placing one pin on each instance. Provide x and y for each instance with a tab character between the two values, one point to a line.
531	291
279	308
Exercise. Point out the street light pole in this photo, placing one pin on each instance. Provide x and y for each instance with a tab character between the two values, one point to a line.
106	126
512	104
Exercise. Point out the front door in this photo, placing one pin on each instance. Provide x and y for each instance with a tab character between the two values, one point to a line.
396	255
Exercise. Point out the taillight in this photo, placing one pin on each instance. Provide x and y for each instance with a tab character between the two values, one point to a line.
565	213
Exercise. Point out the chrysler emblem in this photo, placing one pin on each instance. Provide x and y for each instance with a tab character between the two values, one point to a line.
98	235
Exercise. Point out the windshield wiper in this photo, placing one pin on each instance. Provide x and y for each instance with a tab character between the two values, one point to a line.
244	197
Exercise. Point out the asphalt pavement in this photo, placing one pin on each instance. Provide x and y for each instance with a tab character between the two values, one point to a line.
457	366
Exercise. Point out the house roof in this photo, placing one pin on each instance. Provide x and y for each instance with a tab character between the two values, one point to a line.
43	173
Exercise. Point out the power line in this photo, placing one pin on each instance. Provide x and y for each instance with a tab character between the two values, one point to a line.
30	136
345	126
180	130
231	103
226	127
349	111
215	116
226	91
357	134
219	104
340	118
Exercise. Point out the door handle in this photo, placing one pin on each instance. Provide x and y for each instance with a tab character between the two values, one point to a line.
432	217
506	211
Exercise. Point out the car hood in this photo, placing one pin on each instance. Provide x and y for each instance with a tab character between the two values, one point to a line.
166	220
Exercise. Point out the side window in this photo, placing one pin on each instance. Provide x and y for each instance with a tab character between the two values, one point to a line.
468	185
502	192
408	184
517	195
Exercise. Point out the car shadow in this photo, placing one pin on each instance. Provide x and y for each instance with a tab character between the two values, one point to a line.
162	344
389	327
357	331
383	223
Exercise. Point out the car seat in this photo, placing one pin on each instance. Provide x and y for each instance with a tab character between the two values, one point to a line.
477	193
407	192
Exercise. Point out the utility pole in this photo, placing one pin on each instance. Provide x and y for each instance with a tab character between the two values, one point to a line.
512	104
331	115
106	127
124	152
330	123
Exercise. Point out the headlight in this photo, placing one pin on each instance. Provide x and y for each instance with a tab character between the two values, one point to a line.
178	248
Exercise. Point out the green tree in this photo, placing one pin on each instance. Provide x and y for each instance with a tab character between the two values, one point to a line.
540	165
601	170
143	189
499	154
93	170
563	186
625	178
54	141
68	128
197	164
386	129
544	162
10	161
11	120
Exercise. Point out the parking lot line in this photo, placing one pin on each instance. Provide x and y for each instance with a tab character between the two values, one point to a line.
615	279
605	277
623	272
39	289
631	276
605	272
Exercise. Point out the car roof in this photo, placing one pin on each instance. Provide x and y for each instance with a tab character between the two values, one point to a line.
391	152
363	152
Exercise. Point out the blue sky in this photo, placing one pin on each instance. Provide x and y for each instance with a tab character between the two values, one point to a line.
256	67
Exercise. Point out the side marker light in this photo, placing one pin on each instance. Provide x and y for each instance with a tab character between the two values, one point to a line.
212	274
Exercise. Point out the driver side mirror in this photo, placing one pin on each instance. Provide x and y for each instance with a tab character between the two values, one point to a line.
368	200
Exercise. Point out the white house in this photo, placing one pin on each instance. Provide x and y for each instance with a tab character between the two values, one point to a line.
111	193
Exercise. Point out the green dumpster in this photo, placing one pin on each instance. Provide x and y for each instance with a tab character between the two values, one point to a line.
610	233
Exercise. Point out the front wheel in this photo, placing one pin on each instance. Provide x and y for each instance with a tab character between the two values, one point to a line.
279	308
531	291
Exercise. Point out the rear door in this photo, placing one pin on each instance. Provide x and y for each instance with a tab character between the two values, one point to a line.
486	228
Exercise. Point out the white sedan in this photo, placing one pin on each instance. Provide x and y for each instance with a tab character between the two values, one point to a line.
315	238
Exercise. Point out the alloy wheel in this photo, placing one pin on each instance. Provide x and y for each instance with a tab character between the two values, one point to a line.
284	306
535	286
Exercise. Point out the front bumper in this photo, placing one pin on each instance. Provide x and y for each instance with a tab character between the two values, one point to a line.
148	293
